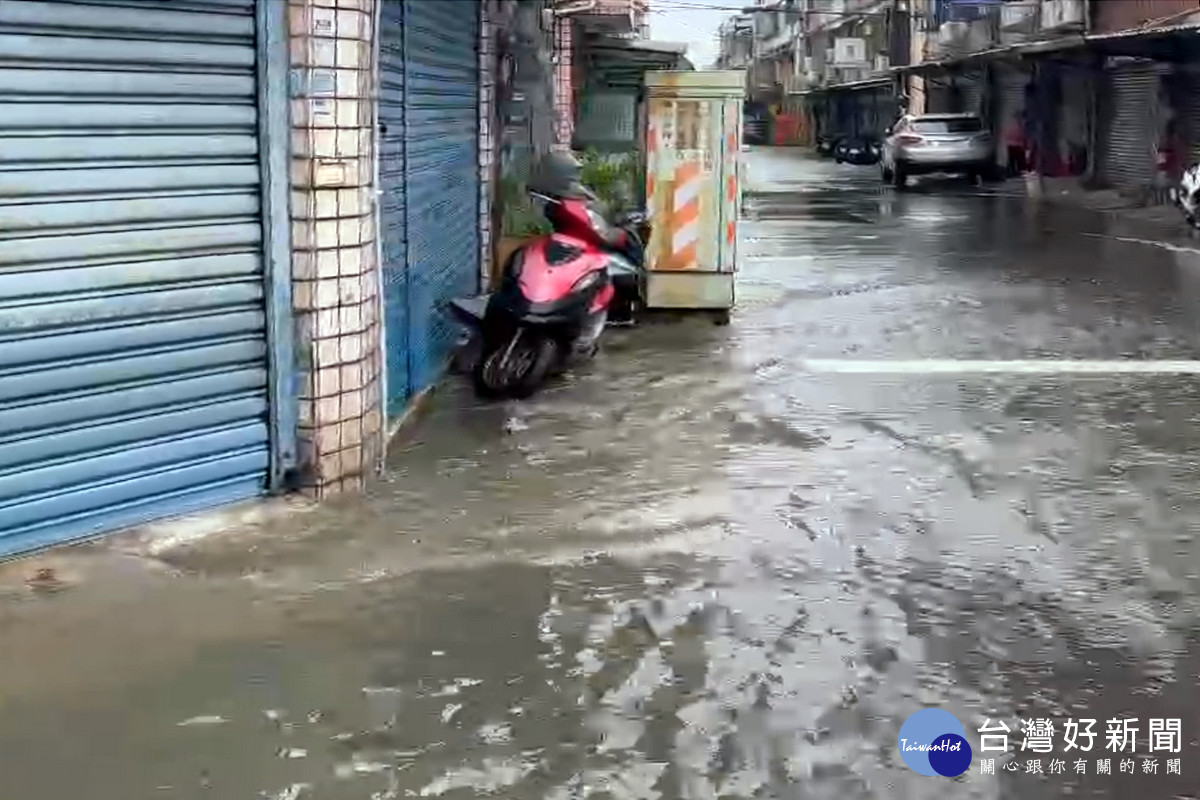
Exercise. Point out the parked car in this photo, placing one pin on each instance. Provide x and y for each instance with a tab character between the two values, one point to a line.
860	150
926	143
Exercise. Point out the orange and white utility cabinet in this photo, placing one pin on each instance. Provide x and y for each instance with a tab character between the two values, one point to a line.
693	191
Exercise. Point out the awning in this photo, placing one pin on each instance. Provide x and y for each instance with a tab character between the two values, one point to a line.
852	86
1010	52
1164	43
595	16
622	62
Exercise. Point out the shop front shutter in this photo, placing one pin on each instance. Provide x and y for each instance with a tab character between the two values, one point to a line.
1128	158
429	176
1189	114
441	170
1010	87
970	92
134	369
392	206
938	99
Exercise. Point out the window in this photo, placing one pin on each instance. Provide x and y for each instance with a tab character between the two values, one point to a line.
967	125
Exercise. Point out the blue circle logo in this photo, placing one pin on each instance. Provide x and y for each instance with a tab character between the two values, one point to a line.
933	742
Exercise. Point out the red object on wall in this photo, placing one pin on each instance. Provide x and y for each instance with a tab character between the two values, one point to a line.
787	129
1118	15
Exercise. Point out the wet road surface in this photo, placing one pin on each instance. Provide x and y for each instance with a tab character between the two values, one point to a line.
699	569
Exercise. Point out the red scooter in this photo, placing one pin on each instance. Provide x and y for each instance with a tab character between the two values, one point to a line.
558	292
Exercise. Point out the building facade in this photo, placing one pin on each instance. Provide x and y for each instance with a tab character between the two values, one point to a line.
230	233
1100	89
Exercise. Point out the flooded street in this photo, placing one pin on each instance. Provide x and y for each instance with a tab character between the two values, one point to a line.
719	563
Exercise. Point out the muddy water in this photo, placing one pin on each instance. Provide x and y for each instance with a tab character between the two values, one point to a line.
700	569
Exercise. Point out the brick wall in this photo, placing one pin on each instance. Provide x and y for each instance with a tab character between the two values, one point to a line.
335	267
564	94
1119	15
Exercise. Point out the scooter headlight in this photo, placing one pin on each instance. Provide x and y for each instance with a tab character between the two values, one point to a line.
587	282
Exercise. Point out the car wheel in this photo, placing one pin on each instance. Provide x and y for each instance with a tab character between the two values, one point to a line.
886	174
899	177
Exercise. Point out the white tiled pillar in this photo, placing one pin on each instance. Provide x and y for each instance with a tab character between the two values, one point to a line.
335	268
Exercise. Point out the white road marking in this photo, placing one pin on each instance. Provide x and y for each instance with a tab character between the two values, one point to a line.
954	367
1148	242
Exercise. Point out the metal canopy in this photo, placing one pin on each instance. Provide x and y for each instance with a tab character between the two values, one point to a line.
620	62
1167	43
852	86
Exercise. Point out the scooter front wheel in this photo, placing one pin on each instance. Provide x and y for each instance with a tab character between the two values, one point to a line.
543	355
518	369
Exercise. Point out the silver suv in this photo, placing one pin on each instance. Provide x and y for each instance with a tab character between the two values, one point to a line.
925	143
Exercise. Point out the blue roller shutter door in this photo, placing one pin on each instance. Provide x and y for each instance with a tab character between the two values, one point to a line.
442	171
134	376
393	208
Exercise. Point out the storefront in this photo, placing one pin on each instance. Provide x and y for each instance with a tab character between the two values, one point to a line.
1011	85
865	108
1127	159
969	92
1075	117
144	268
430	183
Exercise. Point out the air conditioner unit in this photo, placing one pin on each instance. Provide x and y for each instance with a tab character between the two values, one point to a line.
1060	15
850	51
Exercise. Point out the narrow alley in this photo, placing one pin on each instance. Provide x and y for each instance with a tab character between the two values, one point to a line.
719	563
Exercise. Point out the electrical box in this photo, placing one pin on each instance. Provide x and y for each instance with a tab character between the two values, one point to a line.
693	191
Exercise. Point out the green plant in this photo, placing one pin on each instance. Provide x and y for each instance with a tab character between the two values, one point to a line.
613	178
519	217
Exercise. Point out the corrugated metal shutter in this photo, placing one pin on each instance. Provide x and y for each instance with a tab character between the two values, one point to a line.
938	98
970	93
430	178
1189	114
429	175
133	330
1011	85
1129	140
441	167
393	208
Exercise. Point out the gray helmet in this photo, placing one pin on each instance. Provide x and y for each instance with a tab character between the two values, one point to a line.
558	174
